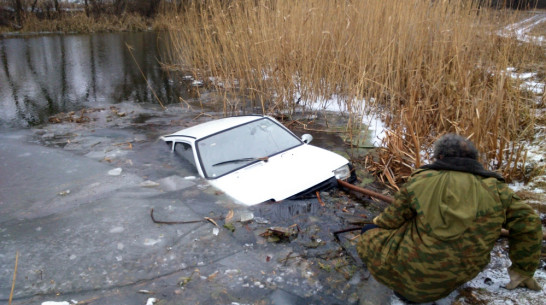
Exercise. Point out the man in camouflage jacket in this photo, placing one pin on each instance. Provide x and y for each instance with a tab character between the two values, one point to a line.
439	232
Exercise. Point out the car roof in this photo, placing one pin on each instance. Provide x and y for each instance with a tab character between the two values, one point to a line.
208	128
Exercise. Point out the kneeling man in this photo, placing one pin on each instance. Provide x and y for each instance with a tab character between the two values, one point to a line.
439	232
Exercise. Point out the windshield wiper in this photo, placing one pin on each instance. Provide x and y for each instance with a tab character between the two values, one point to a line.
242	160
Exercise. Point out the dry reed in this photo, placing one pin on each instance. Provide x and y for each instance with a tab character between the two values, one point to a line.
14	277
426	67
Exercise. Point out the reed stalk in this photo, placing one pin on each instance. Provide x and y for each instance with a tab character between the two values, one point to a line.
14	277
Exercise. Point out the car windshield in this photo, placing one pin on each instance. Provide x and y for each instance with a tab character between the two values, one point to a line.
234	148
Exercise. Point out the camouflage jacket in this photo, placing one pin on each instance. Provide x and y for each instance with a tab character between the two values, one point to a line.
439	232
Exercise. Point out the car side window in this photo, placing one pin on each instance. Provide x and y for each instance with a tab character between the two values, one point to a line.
185	151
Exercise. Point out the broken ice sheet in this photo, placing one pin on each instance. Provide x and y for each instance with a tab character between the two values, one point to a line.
261	220
64	193
247	216
115	171
149	183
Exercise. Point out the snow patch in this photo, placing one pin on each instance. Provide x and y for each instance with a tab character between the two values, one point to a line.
520	30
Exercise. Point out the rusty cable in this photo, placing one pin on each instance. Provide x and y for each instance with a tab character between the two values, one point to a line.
364	191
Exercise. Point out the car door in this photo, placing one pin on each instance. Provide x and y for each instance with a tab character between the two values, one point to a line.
186	151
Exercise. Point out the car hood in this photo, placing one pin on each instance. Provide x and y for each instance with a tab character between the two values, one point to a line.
282	176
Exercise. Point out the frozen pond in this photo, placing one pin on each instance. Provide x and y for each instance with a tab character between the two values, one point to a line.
75	204
76	192
76	195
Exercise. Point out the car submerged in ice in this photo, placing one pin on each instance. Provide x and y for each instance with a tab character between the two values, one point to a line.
255	158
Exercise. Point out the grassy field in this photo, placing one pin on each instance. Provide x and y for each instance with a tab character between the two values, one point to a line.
425	67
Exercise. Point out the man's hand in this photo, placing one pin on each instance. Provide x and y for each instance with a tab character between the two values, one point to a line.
368	227
519	280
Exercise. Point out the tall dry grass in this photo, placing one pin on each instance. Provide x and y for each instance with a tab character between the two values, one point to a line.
426	67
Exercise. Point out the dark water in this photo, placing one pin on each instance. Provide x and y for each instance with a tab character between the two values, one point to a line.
44	75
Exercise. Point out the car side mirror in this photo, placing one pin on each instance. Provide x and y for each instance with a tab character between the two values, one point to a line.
307	138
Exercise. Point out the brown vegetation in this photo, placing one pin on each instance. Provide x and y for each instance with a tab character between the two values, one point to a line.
426	67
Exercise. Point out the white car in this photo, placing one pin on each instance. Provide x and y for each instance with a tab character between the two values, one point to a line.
255	158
